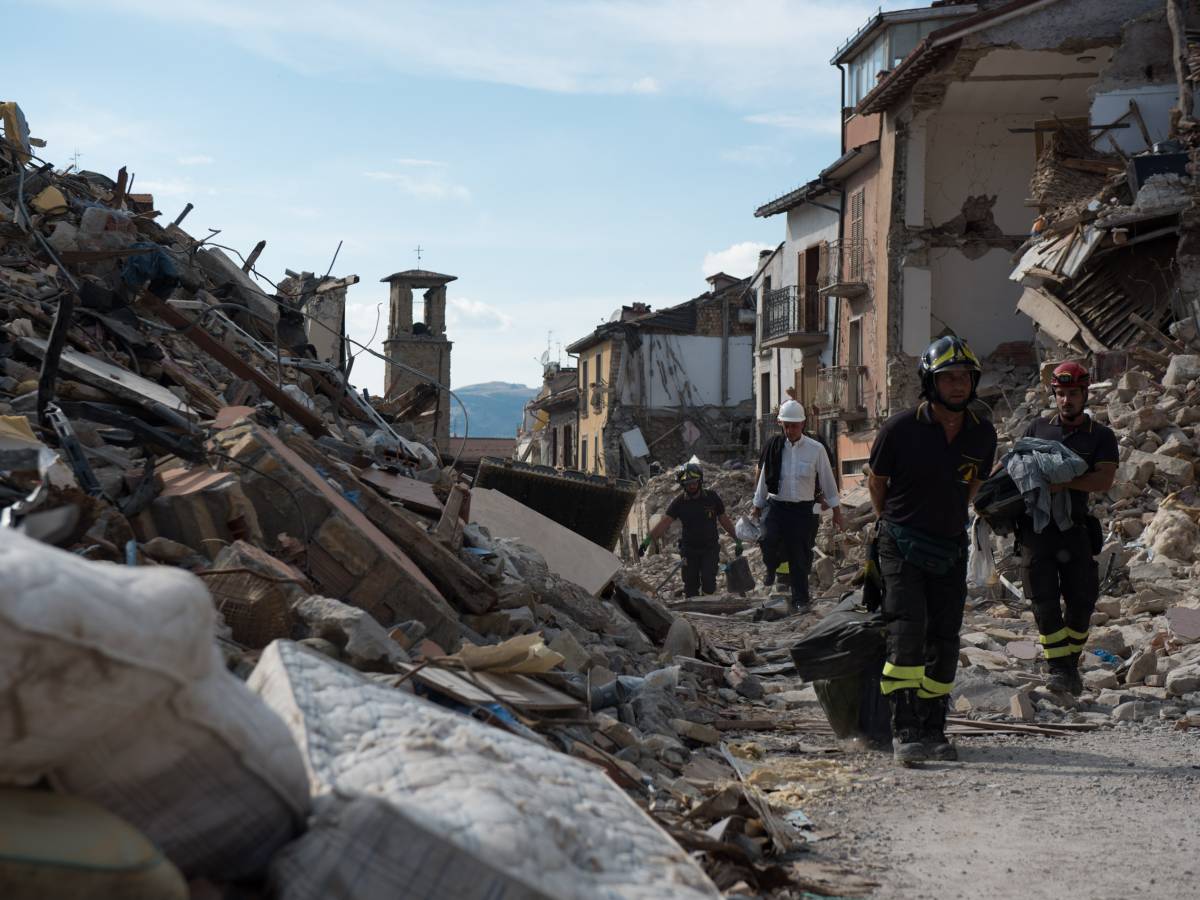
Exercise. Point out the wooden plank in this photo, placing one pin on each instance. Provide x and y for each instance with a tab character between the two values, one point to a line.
1169	343
568	554
120	383
448	531
482	688
413	494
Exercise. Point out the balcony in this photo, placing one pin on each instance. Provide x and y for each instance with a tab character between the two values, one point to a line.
845	270
792	320
842	392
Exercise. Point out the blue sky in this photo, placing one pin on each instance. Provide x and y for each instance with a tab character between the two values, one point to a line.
561	158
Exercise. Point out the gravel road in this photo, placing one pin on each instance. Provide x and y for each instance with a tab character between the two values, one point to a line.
1105	815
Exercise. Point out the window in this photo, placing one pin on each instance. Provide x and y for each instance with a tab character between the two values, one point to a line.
853	466
583	453
855	392
853	258
598	399
596	453
764	394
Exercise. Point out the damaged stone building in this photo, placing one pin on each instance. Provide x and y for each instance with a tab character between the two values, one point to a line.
419	351
658	387
949	115
548	428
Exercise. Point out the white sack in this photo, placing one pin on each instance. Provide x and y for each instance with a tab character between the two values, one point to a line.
118	694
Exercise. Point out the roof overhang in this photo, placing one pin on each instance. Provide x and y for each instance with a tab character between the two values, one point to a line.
801	195
850	162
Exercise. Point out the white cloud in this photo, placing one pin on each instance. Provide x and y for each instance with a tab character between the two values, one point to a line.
427	184
756	155
475	315
198	159
738	260
744	51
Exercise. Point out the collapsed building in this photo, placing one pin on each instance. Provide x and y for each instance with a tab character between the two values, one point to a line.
658	387
967	128
548	426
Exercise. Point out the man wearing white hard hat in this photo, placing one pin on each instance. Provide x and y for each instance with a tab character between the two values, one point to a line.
794	466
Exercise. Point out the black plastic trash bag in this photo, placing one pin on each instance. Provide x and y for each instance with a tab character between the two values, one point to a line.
1000	503
855	706
841	643
843	656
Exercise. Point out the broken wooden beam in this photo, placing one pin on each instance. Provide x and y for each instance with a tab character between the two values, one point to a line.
311	422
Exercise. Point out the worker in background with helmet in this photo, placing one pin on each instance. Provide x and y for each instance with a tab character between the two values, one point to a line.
926	465
699	511
1061	564
794	468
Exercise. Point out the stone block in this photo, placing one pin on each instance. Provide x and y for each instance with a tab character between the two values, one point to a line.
1177	472
1100	679
694	731
362	641
745	683
1181	369
1021	707
1184	680
1135	710
1141	665
575	657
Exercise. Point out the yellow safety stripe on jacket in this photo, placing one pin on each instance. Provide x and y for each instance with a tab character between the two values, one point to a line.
1060	635
1056	652
931	688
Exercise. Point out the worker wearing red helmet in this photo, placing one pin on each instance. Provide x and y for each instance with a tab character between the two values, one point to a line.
1059	567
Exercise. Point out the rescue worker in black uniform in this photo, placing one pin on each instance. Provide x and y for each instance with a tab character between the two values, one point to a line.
926	465
699	511
1062	563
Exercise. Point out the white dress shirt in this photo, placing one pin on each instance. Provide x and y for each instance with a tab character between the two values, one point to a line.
803	466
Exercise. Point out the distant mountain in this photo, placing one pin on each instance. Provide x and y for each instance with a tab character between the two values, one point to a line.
494	409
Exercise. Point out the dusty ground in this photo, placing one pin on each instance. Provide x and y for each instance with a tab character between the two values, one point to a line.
1099	815
1105	815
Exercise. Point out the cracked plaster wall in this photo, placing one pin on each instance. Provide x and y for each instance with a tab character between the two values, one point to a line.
1068	24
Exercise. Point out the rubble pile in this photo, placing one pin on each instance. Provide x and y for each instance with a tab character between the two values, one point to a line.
164	421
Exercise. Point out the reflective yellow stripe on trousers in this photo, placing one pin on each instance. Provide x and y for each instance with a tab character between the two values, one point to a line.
897	678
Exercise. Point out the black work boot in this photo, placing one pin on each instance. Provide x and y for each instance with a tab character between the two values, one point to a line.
933	728
907	749
1075	685
1059	671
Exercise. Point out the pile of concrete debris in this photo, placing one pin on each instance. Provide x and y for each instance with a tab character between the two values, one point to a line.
266	629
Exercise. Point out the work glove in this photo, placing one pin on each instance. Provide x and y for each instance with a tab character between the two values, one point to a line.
737	546
643	547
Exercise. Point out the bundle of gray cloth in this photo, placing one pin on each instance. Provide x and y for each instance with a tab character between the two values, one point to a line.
1034	464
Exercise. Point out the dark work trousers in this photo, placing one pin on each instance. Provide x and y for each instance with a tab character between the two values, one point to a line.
770	558
700	570
1058	564
924	613
791	533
